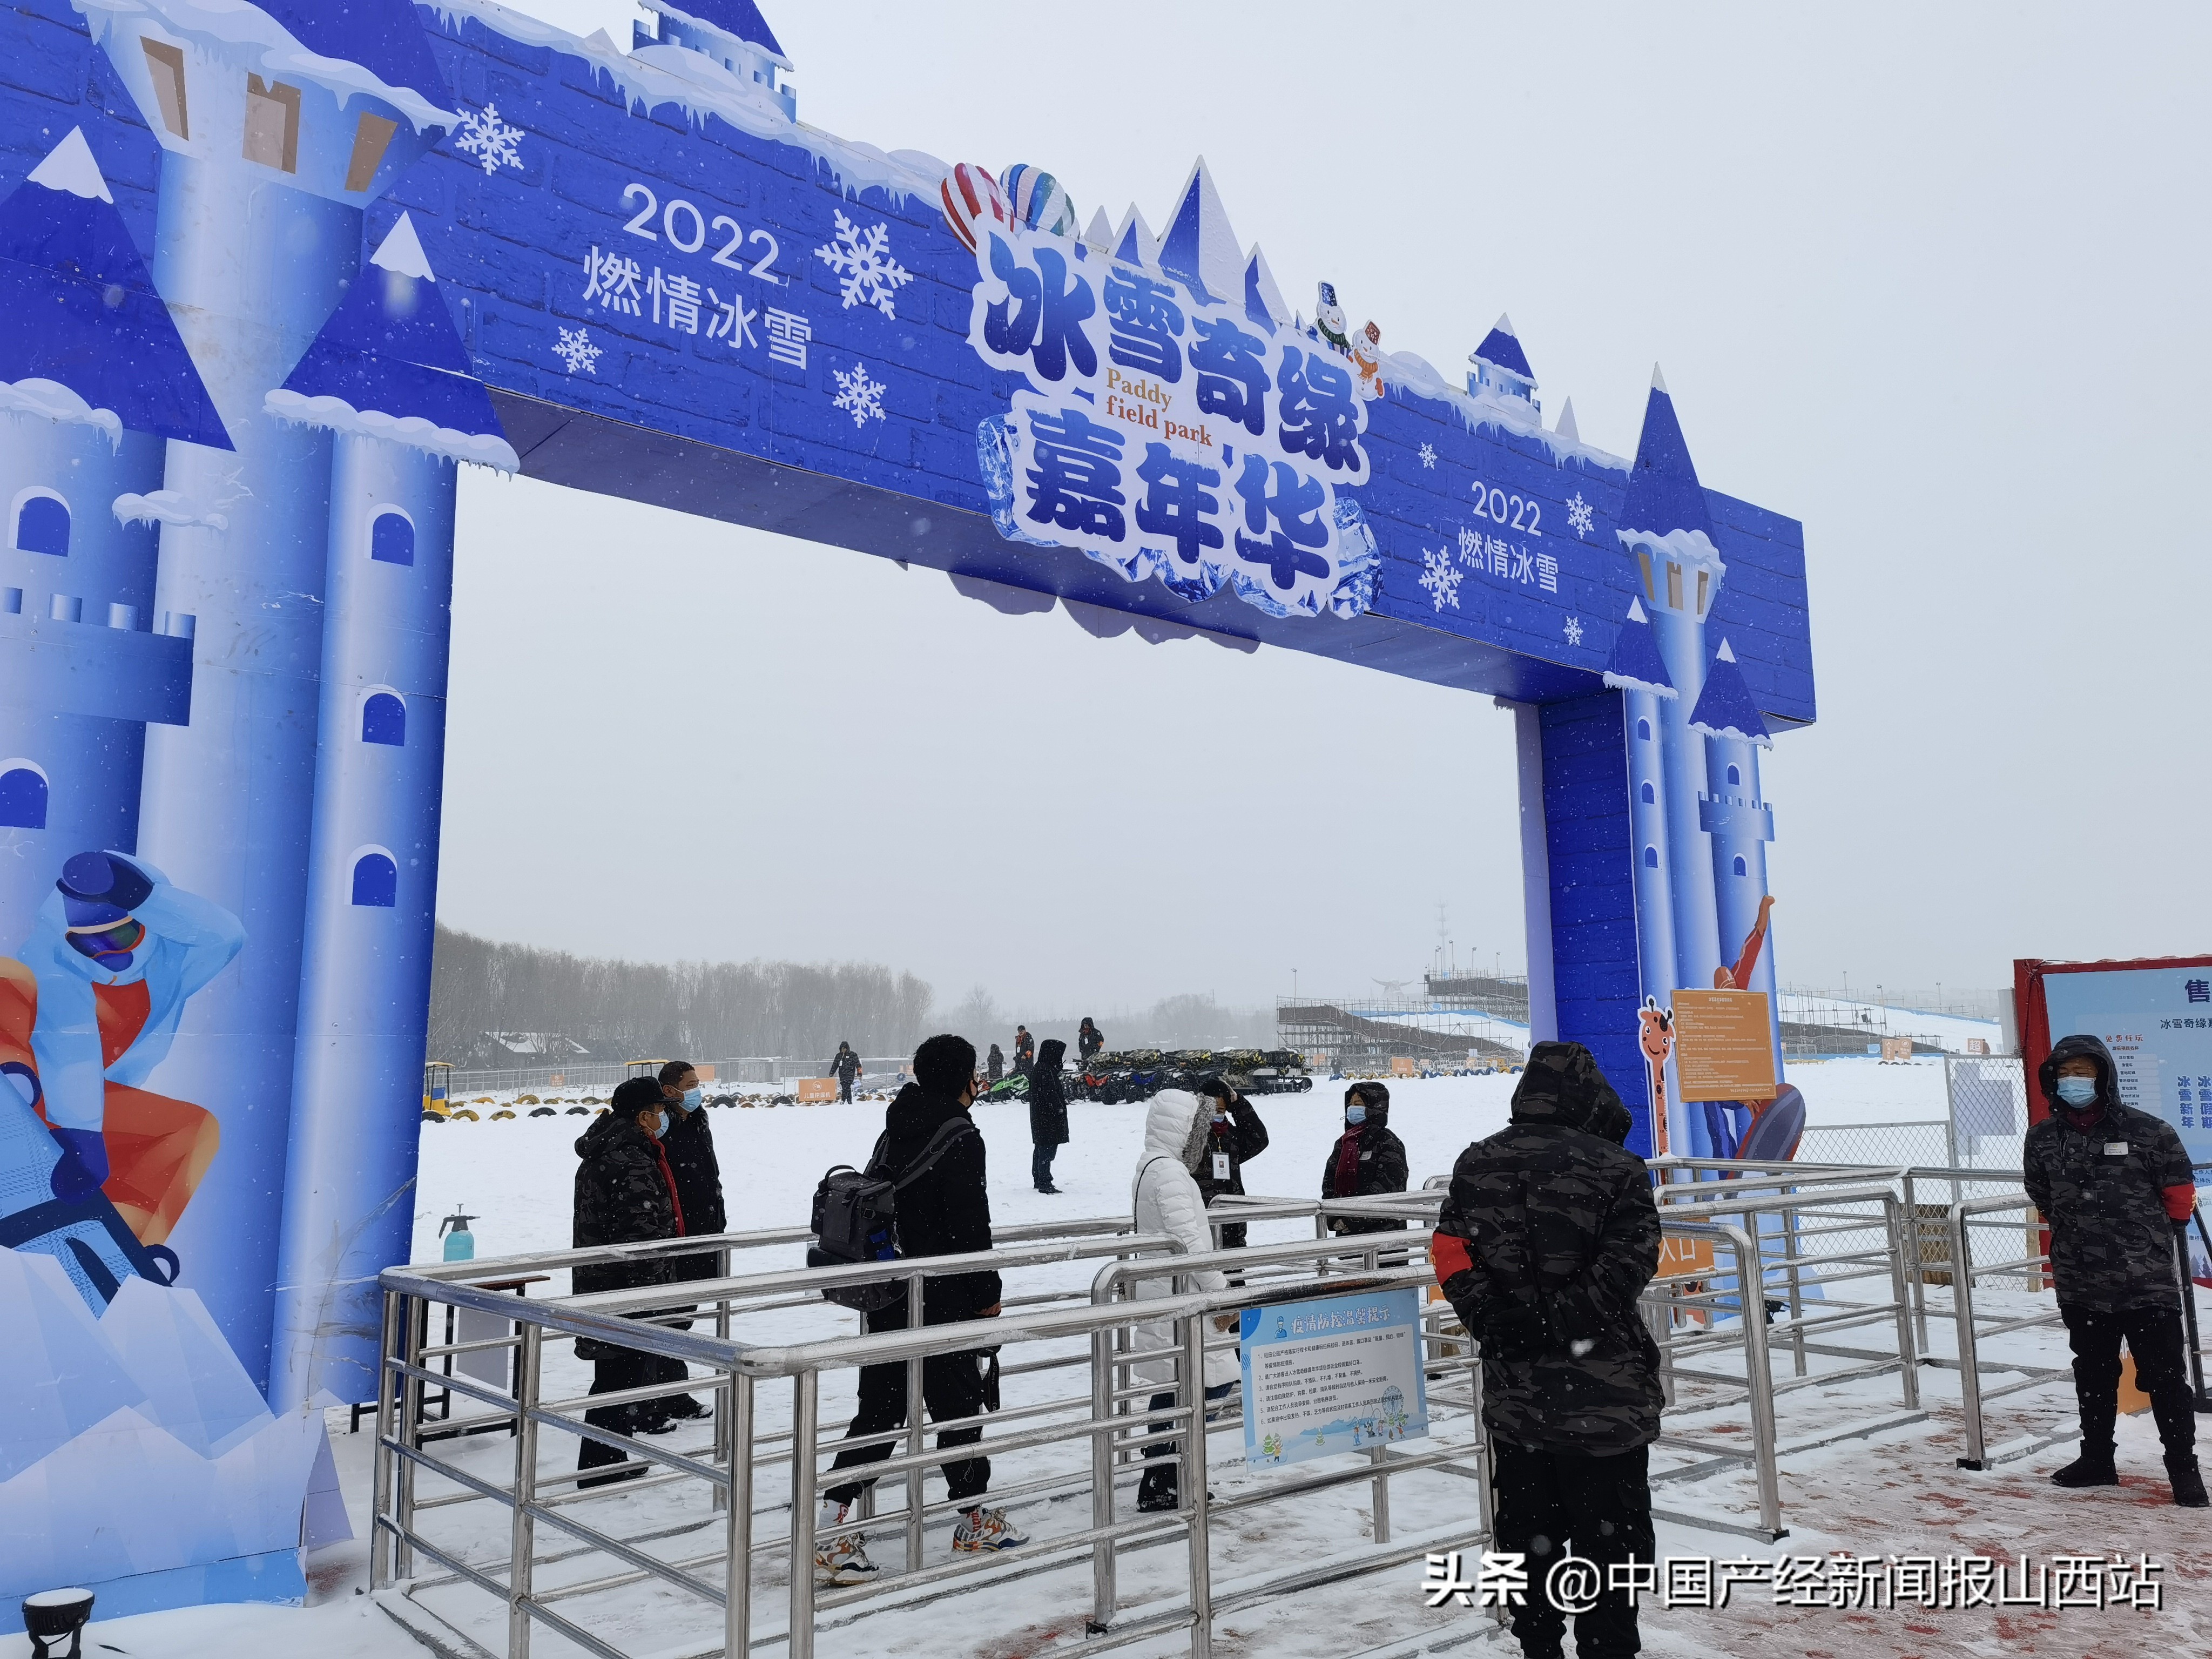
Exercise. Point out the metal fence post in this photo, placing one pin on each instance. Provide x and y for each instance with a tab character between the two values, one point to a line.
806	1404
1751	1304
737	1519
380	1494
915	1440
1103	1592
416	1324
1908	1355
1194	1487
523	1536
1962	1311
722	1401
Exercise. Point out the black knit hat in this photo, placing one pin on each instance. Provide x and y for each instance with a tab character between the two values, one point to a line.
637	1094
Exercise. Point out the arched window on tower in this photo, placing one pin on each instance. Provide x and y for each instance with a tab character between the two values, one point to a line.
1741	868
1735	774
375	879
1643	730
392	537
1650	795
22	795
1651	858
384	719
42	523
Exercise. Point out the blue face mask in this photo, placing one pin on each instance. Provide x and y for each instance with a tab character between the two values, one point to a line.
1355	1116
691	1098
660	1126
2077	1091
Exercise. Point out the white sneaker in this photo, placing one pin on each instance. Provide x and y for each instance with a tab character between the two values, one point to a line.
981	1531
844	1560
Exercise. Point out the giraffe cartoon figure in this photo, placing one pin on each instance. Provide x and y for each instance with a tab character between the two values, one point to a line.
1655	1036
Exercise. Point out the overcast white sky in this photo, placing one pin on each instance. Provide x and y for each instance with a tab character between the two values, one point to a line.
1931	279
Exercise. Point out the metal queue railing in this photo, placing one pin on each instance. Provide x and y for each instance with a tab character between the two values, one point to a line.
1803	1242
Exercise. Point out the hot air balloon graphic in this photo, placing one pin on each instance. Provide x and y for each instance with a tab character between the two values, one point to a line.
974	198
1038	200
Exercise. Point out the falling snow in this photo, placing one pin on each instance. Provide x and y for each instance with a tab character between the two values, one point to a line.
490	140
867	274
1579	517
1441	577
858	395
574	348
1428	454
1574	630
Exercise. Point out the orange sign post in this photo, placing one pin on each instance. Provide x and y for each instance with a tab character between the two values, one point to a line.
1723	1045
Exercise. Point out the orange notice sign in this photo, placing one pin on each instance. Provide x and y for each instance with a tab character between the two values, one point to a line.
813	1090
1723	1045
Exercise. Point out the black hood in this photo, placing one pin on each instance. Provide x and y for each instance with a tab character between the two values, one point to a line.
914	1116
1562	1084
2074	1048
1378	1109
604	1132
1049	1055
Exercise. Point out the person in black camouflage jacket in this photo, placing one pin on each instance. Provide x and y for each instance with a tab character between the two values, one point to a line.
2113	1185
1548	1237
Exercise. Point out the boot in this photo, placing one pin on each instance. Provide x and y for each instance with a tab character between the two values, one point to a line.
2093	1467
2188	1483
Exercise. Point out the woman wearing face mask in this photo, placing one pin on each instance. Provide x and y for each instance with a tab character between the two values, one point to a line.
625	1193
688	1140
1367	1158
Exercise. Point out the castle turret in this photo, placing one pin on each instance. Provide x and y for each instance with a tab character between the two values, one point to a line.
739	48
1637	671
1733	815
93	379
278	123
1665	526
388	377
1500	370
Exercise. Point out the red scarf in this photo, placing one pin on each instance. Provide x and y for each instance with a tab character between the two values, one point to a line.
669	1176
1347	1164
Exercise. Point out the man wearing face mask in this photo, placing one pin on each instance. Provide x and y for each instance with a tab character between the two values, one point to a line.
625	1193
688	1142
2114	1186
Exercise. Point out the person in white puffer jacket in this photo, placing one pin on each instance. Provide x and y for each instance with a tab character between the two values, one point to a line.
1166	1200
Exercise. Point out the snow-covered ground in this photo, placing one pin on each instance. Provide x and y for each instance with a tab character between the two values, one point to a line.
1897	1494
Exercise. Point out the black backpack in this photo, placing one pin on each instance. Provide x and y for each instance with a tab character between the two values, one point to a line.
856	1216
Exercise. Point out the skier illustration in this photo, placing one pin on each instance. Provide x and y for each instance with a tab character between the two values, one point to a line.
87	1013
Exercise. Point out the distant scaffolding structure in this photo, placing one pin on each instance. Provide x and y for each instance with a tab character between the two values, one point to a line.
1462	1017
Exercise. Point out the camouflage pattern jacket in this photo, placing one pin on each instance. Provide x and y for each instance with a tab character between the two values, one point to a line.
2112	1182
1548	1239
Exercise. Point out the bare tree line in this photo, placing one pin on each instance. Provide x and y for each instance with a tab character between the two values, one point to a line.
698	1010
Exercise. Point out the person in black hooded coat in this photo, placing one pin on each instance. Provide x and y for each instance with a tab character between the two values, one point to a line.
1048	1112
1546	1241
2114	1185
625	1193
1367	1158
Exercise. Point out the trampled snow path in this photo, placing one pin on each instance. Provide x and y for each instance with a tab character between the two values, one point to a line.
1898	1494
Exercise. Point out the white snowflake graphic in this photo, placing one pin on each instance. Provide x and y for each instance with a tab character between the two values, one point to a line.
1574	630
1579	517
862	259
575	348
490	140
1441	577
1428	454
859	396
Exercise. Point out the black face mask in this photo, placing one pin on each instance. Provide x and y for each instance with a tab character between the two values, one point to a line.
112	946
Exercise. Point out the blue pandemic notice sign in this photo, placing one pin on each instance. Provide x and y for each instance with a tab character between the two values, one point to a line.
1339	1375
